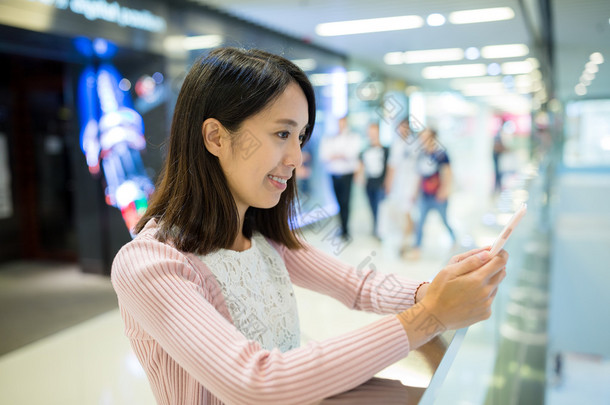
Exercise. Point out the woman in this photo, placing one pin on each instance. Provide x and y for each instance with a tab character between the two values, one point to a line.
205	287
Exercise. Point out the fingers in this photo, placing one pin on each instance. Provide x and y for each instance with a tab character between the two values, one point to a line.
488	278
495	265
470	262
465	255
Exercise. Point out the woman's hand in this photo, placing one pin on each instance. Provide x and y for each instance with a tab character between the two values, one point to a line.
461	294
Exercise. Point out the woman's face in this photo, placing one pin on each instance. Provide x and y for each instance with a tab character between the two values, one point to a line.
266	150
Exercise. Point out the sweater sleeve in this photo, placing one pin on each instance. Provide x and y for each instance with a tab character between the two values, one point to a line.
159	288
361	287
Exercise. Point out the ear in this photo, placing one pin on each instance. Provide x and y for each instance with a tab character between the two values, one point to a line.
213	136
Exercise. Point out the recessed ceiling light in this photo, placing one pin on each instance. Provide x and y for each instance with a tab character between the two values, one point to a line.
504	51
461	83
481	15
433	55
587	76
597	58
424	56
451	71
435	20
472	53
580	89
534	62
393	58
182	43
517	68
494	69
483	89
306	64
201	42
591	67
369	25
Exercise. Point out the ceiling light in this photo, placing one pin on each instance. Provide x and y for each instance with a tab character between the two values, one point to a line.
433	55
481	15
509	82
597	58
536	75
355	76
523	80
306	64
404	22
534	62
320	79
580	89
450	71
435	20
459	84
504	51
483	89
494	69
393	58
591	67
177	43
472	53
517	68
201	42
324	79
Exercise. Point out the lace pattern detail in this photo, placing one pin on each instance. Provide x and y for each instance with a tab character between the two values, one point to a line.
258	293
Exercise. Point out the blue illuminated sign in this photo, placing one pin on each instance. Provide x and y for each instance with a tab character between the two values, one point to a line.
112	135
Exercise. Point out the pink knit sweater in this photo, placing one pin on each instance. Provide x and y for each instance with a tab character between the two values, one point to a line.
181	331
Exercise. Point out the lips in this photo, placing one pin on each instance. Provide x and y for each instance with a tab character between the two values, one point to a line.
282	180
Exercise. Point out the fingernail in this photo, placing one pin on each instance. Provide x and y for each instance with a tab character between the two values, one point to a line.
484	255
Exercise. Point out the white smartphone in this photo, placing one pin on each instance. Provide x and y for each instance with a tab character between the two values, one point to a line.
508	229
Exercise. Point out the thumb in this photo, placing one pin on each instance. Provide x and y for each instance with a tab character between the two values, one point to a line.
471	263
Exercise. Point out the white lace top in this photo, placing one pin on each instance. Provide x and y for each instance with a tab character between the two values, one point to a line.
258	293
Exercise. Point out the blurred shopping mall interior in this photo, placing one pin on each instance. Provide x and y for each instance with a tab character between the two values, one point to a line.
531	75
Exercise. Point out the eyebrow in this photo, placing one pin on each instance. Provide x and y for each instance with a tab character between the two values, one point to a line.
290	122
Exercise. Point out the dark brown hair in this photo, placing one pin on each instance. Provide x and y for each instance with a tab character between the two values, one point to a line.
192	202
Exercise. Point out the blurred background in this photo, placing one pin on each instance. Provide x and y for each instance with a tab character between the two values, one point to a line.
518	92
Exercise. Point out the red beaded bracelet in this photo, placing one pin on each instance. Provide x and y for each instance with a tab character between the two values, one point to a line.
417	289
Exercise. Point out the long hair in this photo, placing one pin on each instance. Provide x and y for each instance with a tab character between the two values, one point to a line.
192	202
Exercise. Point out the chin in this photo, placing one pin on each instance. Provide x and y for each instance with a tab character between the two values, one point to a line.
266	204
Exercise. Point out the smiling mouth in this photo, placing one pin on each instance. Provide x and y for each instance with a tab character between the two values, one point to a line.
278	179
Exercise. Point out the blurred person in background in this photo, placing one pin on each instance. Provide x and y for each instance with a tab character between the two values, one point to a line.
401	179
498	150
340	154
373	162
435	180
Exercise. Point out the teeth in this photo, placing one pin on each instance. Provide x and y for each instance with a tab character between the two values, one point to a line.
278	179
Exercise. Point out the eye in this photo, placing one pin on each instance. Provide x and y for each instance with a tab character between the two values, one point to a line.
301	138
283	134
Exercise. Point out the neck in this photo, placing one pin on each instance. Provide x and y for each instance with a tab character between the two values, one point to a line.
241	242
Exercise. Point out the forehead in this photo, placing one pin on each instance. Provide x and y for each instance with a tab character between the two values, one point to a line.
290	104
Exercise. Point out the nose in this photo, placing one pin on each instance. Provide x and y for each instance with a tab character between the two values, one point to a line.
293	156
